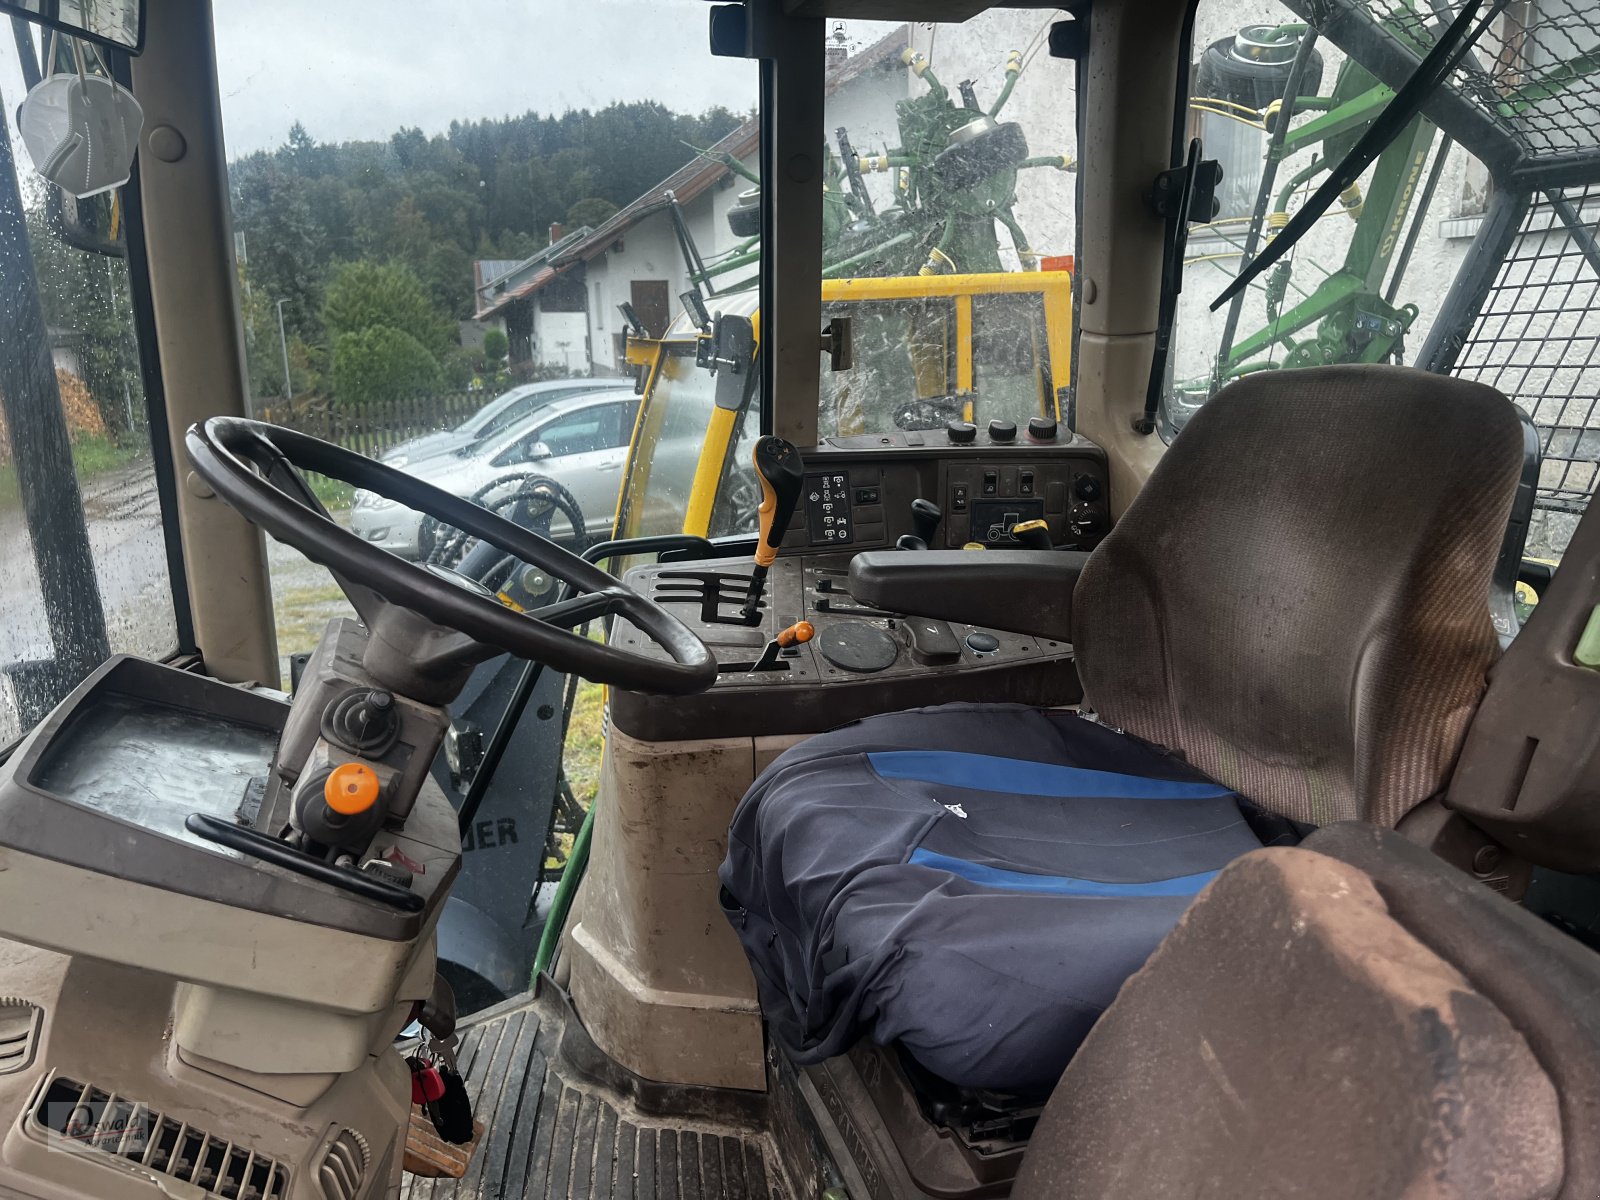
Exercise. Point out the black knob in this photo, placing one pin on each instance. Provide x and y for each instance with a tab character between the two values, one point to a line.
982	643
909	541
1002	431
925	518
1087	488
362	720
962	432
1042	429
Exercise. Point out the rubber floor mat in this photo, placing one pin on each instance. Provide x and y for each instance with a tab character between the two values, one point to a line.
548	1136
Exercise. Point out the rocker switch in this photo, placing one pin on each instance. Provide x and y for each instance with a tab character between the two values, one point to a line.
932	642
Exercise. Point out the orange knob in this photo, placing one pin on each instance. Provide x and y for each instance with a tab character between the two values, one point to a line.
352	788
800	631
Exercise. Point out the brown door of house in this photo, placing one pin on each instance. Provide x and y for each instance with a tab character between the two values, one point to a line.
650	302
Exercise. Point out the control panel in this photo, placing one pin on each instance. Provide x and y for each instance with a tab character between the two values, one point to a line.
797	653
976	484
855	659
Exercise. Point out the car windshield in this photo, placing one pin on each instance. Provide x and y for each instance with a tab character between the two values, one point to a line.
495	415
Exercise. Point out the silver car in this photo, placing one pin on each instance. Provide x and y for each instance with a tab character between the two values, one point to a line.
581	442
494	418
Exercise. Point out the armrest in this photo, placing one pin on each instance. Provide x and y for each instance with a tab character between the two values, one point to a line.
1021	591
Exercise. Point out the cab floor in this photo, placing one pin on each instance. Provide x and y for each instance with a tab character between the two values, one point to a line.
552	1133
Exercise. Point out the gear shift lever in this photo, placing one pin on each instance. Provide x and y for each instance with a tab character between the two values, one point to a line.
781	471
925	518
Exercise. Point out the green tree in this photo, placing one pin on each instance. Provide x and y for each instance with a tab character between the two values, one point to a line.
495	345
365	294
379	363
592	210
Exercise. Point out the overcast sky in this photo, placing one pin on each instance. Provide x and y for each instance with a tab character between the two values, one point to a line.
364	68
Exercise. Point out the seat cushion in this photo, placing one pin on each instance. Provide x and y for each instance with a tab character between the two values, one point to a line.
974	882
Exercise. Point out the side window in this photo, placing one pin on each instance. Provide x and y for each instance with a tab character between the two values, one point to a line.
619	428
579	432
1365	284
1431	259
739	493
83	553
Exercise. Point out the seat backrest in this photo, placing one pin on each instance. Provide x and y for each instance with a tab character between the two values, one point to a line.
1298	599
1348	1018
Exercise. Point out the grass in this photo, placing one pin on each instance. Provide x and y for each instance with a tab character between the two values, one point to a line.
302	613
92	454
334	493
95	454
585	737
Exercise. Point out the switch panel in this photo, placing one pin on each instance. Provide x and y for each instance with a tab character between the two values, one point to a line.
828	512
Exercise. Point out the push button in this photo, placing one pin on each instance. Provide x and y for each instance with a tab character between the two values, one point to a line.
982	643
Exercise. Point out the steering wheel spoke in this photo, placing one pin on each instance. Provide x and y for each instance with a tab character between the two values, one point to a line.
222	451
580	610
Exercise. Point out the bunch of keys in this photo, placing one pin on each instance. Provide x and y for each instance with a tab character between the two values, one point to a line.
438	1087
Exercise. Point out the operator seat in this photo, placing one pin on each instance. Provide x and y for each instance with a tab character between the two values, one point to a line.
1288	627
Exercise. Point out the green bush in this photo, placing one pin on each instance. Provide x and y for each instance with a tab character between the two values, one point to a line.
366	294
496	345
379	363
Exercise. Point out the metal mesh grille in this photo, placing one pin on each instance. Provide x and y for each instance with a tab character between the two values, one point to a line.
1533	71
1537	339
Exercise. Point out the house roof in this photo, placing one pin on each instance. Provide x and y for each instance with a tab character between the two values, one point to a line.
683	185
499	282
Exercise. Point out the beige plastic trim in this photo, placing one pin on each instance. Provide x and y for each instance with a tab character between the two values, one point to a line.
1128	102
189	234
657	975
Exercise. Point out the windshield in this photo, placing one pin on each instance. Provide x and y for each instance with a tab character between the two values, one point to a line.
83	552
951	211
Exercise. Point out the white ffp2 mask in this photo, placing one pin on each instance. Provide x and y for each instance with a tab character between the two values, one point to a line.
81	132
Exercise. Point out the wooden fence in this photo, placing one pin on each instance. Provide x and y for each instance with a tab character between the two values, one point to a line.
372	427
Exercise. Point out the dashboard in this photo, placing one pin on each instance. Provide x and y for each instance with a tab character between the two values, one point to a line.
964	487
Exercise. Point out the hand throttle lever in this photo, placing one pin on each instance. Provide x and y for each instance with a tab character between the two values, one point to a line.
782	474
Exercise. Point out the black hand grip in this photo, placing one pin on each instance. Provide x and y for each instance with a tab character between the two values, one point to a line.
280	854
782	474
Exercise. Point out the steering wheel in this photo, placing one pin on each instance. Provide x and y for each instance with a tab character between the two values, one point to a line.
238	459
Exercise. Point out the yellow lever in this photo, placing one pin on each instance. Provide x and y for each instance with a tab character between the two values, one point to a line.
782	474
